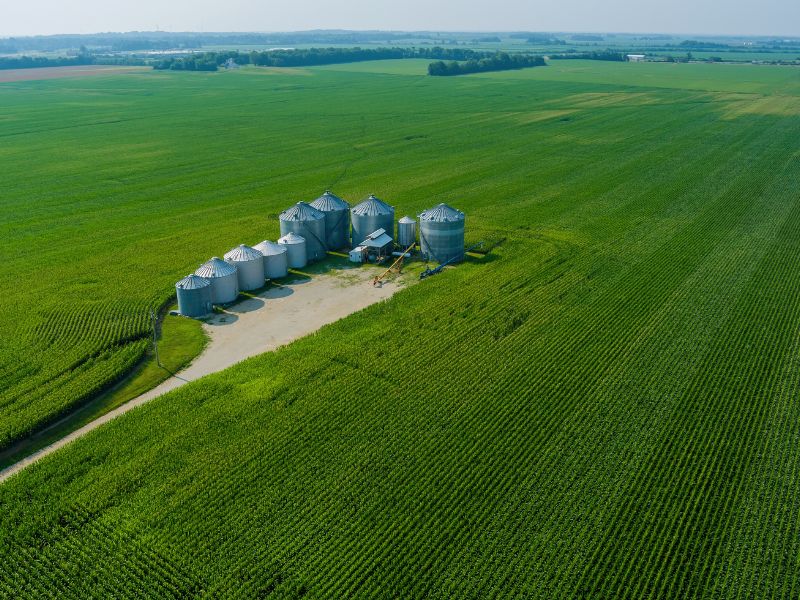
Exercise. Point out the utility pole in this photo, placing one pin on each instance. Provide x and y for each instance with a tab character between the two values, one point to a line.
155	336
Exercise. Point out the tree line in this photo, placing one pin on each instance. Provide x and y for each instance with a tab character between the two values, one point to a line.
499	61
31	62
210	61
596	55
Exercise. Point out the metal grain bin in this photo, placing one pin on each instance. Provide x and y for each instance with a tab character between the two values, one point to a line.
295	250
337	219
441	234
249	264
194	296
223	278
406	232
309	223
276	259
372	214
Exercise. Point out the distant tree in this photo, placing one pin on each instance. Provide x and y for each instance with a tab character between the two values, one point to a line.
437	68
325	56
499	61
609	55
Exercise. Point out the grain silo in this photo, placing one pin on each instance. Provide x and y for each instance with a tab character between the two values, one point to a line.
406	232
223	278
249	264
309	223
369	216
276	259
295	250
194	296
337	219
441	234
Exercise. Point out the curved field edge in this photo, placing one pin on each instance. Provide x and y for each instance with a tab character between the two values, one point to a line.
180	341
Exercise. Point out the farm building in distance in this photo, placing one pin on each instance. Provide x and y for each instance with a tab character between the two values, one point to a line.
635	57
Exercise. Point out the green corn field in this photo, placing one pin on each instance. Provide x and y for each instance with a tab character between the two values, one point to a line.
604	405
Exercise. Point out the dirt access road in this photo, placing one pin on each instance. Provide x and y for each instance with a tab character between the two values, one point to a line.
275	317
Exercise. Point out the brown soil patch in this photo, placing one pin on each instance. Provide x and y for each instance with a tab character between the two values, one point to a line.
42	73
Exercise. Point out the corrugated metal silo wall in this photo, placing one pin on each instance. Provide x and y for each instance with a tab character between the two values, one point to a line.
224	289
194	302
406	234
251	274
441	241
363	225
337	228
314	234
296	255
276	265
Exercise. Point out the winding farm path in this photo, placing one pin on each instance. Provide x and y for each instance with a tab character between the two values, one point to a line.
274	318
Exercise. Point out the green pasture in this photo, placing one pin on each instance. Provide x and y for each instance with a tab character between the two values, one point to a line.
603	406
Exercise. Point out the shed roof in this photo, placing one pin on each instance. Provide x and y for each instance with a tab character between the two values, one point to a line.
377	239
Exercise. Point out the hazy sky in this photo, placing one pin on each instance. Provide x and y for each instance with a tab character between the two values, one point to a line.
766	17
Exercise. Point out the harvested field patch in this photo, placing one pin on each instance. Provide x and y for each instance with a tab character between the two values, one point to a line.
44	73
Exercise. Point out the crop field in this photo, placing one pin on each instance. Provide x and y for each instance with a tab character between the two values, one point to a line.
605	405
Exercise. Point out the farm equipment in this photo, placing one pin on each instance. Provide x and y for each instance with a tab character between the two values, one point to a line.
398	264
428	272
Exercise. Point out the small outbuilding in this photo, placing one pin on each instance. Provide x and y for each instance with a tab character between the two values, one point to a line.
358	254
378	244
635	57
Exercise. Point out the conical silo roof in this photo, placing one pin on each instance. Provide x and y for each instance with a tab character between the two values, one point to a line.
372	206
302	211
292	238
407	220
216	267
243	253
192	282
442	214
329	202
268	248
